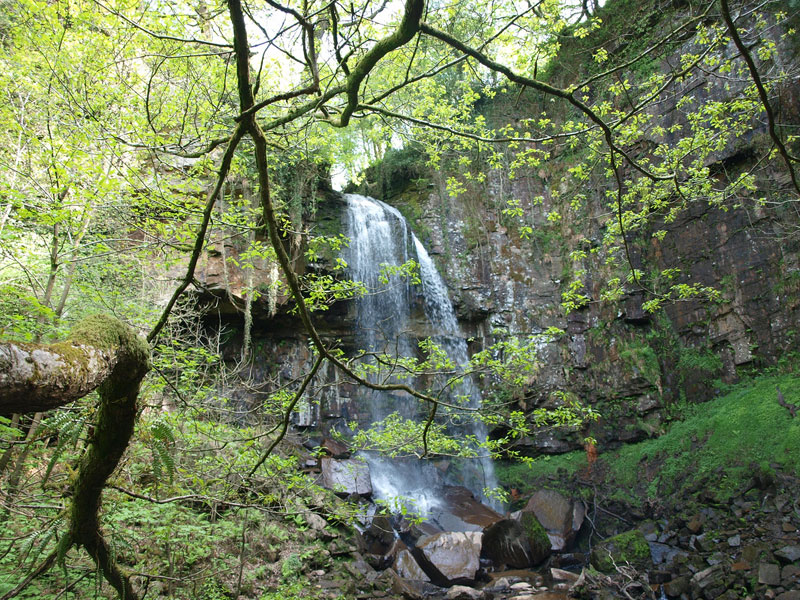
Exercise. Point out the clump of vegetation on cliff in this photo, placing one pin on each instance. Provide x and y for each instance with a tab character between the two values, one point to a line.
714	448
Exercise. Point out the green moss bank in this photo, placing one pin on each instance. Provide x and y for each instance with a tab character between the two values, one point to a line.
714	450
629	547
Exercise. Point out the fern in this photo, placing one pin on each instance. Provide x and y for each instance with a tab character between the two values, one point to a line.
67	426
162	442
34	545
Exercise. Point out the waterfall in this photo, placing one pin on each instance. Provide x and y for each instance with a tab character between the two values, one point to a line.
387	315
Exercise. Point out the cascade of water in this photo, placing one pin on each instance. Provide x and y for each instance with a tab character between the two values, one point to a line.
439	311
380	235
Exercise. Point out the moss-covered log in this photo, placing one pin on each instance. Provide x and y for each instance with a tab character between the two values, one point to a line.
101	353
35	378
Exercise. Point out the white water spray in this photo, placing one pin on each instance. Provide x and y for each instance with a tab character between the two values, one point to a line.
379	235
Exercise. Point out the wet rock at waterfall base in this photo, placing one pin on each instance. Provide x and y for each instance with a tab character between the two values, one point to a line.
411	529
505	543
462	592
562	575
409	589
335	448
451	557
459	510
407	567
560	516
378	538
346	477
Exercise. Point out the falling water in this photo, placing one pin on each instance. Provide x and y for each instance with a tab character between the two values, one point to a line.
379	235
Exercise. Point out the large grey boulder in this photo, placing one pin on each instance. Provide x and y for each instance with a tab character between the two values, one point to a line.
450	557
560	516
346	477
407	567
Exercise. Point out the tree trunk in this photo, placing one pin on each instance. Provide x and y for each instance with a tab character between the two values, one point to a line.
100	353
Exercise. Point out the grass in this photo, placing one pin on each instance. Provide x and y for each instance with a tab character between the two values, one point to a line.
714	448
723	438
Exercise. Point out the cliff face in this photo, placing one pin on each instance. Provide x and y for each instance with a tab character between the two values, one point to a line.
630	364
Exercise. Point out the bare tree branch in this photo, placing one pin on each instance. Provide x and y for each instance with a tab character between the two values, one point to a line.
762	93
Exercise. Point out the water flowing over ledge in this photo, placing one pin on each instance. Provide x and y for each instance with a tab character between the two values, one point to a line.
380	237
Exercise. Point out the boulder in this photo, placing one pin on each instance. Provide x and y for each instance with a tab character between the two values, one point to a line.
407	567
664	553
461	511
560	516
709	583
538	540
769	573
360	568
629	547
346	477
409	589
562	575
411	529
505	543
335	448
462	592
316	522
378	538
790	577
677	586
788	554
502	584
451	557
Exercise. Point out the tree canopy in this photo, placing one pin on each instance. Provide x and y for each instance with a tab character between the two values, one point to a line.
137	135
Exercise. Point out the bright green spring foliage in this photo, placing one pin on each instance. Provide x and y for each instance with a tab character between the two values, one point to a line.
113	121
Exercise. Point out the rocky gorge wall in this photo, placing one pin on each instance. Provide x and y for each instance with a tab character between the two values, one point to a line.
631	365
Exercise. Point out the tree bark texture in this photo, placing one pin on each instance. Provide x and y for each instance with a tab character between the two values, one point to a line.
100	353
36	378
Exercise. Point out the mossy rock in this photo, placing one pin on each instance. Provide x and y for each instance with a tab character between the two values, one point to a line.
629	547
537	537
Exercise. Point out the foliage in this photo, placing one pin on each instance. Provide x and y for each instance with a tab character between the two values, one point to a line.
191	545
717	444
628	547
703	360
642	360
129	158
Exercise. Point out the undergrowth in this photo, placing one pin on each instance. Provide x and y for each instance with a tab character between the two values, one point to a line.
185	526
715	448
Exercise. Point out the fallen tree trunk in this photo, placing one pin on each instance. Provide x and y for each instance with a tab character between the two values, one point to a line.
100	353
